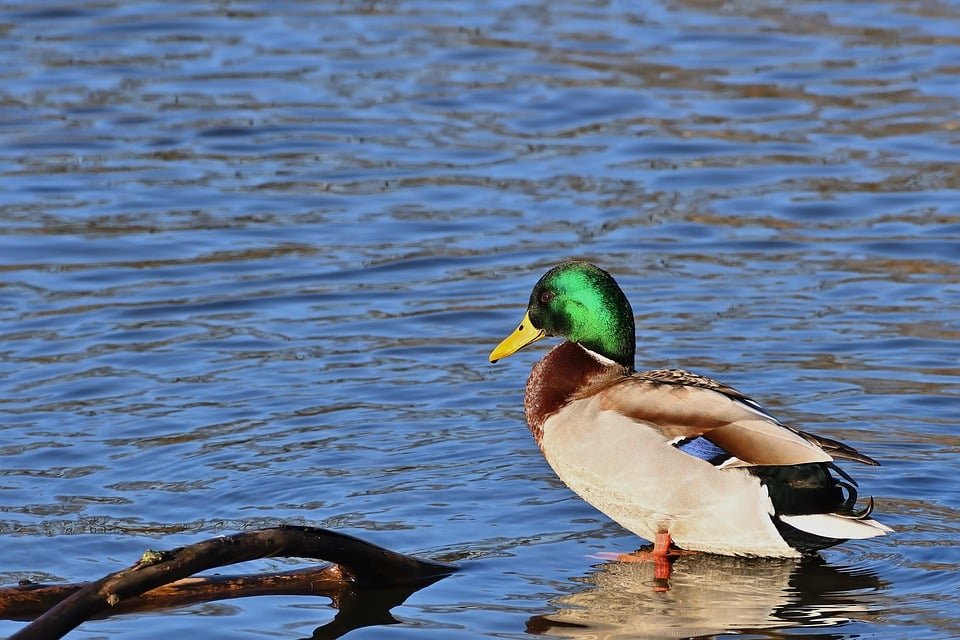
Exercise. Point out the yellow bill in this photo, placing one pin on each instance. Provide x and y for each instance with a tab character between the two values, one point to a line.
524	335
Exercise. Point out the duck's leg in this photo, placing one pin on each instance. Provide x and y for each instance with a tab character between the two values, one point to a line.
663	554
661	544
661	550
660	555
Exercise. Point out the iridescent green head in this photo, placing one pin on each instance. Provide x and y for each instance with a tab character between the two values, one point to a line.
581	303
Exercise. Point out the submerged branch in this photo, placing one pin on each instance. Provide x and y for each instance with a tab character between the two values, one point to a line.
165	575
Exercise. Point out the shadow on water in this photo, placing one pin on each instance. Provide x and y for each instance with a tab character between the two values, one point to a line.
364	608
709	595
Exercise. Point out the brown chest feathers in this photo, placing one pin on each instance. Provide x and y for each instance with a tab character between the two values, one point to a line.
566	370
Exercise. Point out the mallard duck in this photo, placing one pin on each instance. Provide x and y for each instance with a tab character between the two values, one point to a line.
675	457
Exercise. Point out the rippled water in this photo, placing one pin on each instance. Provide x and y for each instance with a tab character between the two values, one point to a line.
254	256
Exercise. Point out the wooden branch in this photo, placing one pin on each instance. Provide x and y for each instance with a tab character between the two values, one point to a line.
359	564
28	601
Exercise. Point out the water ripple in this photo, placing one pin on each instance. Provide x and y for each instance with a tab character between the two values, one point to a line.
252	260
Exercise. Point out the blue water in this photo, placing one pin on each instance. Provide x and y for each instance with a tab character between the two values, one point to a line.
253	257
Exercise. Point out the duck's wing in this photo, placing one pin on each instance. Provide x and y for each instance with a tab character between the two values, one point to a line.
838	450
685	407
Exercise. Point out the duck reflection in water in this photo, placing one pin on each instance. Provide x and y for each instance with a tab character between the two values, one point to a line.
710	594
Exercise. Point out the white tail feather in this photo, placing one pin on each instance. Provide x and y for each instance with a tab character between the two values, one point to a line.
831	525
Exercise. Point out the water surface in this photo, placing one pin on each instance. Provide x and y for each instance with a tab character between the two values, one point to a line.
253	257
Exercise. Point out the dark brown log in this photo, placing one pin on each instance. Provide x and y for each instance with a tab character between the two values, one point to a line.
357	607
358	565
27	601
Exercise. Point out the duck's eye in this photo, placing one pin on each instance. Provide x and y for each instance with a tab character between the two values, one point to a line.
546	297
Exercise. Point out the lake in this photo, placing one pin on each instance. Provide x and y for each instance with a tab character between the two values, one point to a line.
253	257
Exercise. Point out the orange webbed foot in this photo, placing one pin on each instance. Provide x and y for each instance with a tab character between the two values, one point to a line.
663	554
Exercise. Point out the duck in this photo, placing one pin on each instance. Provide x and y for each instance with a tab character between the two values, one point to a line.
682	460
